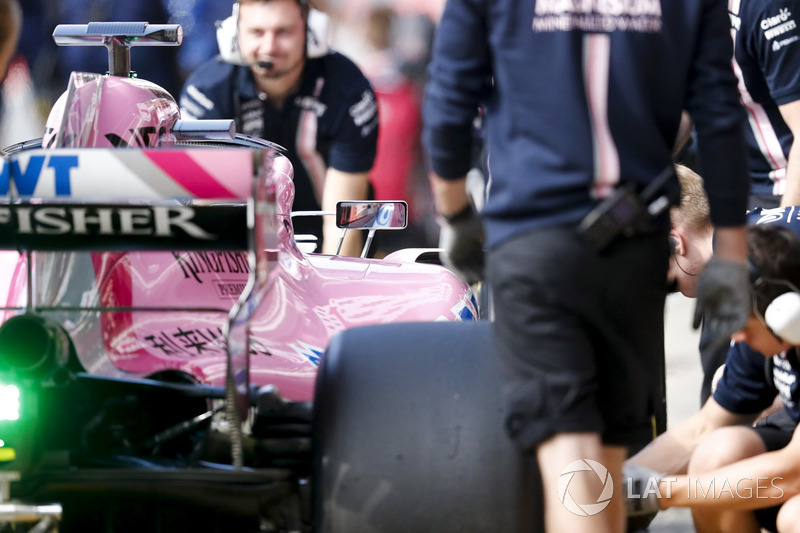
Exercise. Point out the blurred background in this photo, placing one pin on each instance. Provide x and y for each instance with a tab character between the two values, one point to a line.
389	39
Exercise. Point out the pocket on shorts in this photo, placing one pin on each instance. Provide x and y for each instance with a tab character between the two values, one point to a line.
528	420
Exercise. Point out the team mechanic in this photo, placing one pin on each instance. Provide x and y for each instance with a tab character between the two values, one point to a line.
767	63
720	440
280	82
582	110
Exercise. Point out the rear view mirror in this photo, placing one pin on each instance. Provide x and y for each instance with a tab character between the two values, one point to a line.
371	215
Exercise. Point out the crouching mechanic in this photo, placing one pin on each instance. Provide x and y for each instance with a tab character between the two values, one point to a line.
691	240
278	80
733	484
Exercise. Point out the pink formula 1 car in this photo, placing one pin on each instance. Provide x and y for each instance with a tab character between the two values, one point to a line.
174	358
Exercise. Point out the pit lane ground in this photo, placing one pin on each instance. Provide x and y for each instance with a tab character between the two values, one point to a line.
684	377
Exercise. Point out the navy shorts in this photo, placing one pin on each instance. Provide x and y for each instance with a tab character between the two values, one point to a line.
776	431
580	335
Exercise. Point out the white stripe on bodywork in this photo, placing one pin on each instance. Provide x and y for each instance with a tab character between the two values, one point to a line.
767	139
307	145
150	174
596	56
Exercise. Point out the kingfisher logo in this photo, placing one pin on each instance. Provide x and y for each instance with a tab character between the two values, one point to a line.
578	469
201	266
157	221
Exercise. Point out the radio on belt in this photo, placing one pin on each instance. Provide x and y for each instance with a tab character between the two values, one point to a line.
624	212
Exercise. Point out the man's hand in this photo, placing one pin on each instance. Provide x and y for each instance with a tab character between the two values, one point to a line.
640	487
723	300
461	241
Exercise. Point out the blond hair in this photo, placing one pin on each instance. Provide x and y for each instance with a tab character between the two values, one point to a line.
693	211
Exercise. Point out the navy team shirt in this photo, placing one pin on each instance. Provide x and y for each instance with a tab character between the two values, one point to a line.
750	380
580	96
767	62
330	121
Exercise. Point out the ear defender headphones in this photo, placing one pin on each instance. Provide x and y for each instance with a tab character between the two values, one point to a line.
673	245
782	315
673	251
317	35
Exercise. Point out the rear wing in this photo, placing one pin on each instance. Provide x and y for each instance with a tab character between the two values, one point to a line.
108	199
159	199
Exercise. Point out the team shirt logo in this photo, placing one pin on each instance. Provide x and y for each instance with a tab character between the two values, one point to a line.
781	27
365	113
640	16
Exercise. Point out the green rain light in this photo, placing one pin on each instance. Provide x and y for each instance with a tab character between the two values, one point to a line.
9	402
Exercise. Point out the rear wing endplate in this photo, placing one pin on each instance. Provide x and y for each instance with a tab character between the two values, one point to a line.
93	199
109	199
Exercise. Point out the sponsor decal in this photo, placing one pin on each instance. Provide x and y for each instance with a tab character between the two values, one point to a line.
778	25
154	221
309	103
365	110
142	137
199	97
466	314
777	45
26	179
194	265
188	342
736	22
230	289
777	214
640	16
311	353
252	117
784	378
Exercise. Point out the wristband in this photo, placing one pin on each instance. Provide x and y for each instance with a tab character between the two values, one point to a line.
460	215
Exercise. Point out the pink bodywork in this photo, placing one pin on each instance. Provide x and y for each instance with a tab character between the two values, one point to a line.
110	112
311	298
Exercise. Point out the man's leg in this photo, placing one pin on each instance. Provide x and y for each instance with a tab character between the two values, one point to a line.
558	452
579	358
723	447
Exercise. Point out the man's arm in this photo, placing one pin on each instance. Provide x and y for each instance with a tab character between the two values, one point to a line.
791	115
723	289
723	298
731	243
449	196
671	451
342	186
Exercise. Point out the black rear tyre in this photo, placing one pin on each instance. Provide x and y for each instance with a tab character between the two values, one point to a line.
409	435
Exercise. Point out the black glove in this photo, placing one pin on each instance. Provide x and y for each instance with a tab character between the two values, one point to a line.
640	487
723	301
461	241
